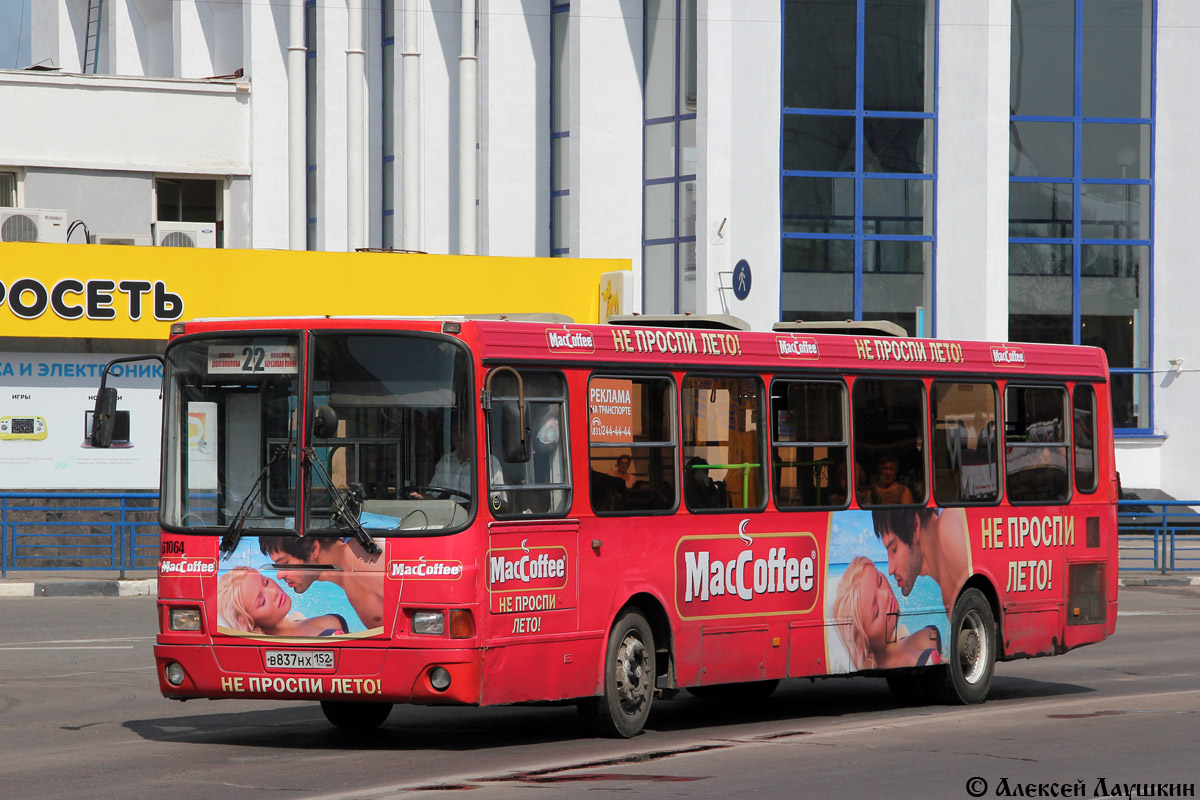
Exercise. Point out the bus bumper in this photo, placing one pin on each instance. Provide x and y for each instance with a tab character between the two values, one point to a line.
359	674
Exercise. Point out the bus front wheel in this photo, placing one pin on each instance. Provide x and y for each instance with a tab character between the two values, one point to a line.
967	677
356	716
629	666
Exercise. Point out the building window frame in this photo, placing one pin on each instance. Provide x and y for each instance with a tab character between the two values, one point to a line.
310	108
560	184
387	45
1077	183
10	195
925	318
681	241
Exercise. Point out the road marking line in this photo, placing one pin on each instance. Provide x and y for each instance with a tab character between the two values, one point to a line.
41	677
9	645
80	647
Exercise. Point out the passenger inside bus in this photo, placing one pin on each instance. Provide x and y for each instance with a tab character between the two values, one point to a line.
700	490
452	474
885	489
838	490
862	483
651	490
453	470
609	493
621	469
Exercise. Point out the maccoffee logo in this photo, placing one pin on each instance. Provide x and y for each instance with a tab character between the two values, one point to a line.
187	566
743	575
797	347
525	567
425	569
571	341
1008	356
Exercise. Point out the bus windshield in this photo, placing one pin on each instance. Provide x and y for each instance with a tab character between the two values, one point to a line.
231	406
390	434
393	434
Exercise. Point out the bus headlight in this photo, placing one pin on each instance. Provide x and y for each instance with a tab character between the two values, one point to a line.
174	673
185	619
432	623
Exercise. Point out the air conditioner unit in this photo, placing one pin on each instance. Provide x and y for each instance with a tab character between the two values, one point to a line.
185	234
141	239
33	225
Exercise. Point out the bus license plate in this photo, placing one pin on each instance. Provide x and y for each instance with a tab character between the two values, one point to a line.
299	659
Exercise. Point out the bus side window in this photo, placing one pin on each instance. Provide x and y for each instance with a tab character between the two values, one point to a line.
540	486
810	453
1036	444
1083	437
966	466
722	443
631	444
889	441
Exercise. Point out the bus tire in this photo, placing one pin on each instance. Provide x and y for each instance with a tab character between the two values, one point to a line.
967	678
629	672
736	692
355	716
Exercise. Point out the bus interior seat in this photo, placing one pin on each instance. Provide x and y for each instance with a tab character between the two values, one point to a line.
608	492
650	496
706	495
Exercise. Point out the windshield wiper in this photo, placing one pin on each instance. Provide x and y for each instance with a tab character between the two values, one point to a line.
233	534
343	505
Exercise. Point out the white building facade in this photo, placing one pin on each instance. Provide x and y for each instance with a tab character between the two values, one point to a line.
995	169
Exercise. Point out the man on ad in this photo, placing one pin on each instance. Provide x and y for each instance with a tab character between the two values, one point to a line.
359	574
925	541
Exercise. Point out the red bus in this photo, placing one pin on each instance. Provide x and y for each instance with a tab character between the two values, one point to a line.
366	512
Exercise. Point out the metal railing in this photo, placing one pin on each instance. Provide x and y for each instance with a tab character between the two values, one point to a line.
58	531
55	531
1158	535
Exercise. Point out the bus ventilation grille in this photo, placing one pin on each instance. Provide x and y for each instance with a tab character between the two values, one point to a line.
1085	594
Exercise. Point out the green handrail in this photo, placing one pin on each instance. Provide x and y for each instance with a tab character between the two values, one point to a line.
745	476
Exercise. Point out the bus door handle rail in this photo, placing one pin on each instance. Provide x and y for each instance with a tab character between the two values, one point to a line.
745	476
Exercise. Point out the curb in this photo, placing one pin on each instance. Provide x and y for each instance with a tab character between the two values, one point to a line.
81	588
1160	580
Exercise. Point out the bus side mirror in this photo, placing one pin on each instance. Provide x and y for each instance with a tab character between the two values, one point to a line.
514	433
104	418
325	422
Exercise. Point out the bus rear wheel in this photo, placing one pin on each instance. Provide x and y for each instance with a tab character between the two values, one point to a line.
967	678
356	716
629	671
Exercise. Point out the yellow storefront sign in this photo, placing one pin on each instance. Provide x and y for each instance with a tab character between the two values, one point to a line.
114	292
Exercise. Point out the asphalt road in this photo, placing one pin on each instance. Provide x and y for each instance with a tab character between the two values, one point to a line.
80	716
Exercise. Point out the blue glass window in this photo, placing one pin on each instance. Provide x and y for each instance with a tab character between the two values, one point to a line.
1081	186
669	158
857	160
560	134
387	27
310	109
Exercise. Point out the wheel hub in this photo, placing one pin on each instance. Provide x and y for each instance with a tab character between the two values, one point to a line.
970	647
632	686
